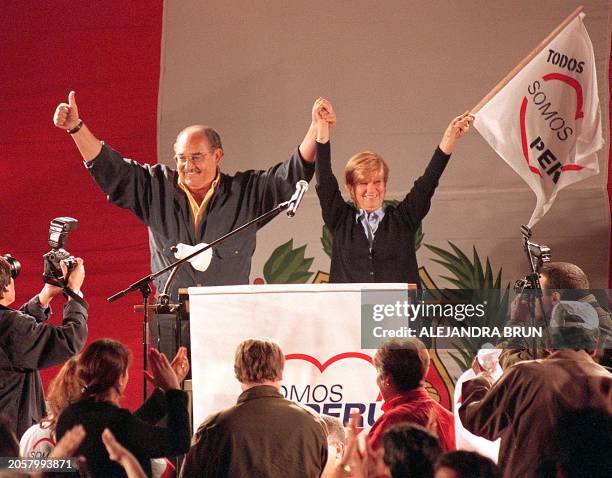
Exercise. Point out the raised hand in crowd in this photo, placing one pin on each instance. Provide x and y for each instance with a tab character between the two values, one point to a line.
66	448
162	373
180	364
117	452
358	464
455	130
482	373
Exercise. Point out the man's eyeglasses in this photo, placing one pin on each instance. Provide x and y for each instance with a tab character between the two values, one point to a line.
194	158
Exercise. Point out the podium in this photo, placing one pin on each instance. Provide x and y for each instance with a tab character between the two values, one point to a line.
318	326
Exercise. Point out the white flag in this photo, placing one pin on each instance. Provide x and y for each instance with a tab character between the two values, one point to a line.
545	123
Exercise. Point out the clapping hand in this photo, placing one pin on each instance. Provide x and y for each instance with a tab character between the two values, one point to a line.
162	373
180	364
357	463
67	447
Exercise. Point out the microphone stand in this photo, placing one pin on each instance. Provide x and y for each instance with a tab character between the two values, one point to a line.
144	284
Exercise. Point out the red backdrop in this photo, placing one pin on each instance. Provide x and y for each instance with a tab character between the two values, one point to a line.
109	53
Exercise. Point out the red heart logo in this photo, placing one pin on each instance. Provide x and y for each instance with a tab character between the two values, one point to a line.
334	359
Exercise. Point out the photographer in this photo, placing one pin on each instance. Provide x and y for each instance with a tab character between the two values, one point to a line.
560	281
28	344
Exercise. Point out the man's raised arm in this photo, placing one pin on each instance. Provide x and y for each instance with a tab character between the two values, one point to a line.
308	146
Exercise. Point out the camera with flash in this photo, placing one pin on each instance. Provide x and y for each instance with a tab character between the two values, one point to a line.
58	236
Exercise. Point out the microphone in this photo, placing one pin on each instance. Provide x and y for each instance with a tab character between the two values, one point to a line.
300	189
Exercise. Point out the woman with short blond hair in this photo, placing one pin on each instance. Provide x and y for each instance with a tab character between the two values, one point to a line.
374	242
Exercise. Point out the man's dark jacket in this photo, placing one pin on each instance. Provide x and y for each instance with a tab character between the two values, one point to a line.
524	405
27	344
153	195
263	435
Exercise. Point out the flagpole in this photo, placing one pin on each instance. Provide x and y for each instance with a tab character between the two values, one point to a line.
526	60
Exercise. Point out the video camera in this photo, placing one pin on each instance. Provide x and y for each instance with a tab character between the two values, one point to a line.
58	236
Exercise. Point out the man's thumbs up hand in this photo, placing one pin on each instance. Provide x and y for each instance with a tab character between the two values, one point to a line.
67	114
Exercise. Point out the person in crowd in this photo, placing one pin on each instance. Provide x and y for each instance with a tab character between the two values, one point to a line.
195	202
486	358
336	442
401	366
39	440
407	450
410	451
65	388
523	406
68	447
374	242
560	281
103	372
357	462
465	464
264	434
28	343
579	441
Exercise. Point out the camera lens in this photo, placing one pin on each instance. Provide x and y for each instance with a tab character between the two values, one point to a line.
14	265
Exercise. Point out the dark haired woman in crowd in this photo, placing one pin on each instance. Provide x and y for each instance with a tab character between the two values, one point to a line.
103	371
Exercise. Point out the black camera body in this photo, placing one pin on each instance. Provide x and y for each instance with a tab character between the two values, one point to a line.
538	255
58	236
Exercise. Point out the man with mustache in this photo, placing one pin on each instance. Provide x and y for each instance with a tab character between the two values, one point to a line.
195	202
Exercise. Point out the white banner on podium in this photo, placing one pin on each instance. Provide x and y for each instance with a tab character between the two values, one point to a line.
318	327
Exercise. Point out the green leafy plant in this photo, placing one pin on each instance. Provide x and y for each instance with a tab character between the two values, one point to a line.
474	284
287	265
